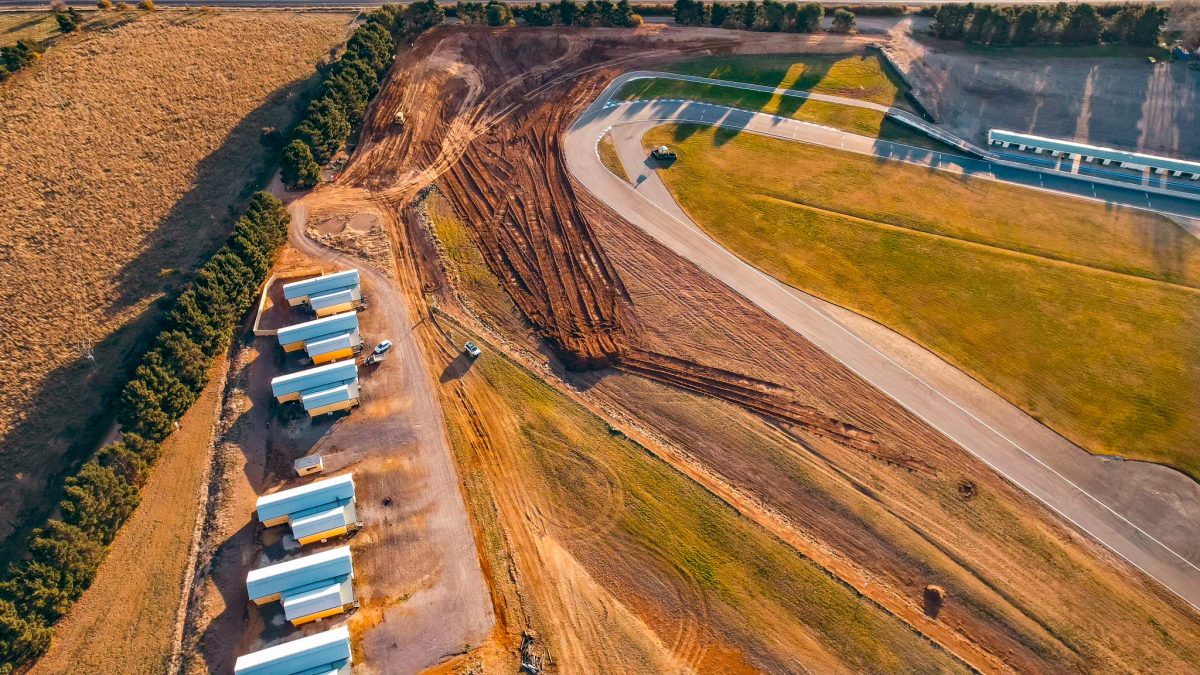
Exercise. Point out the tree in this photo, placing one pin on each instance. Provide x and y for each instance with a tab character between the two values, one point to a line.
499	14
625	16
22	638
568	12
808	20
689	12
104	4
1148	28
98	500
843	22
772	16
470	13
539	14
1083	27
1025	31
62	564
950	21
750	15
720	13
125	461
298	167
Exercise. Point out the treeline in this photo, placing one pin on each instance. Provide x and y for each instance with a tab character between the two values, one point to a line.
99	498
16	57
769	16
348	86
1081	24
590	14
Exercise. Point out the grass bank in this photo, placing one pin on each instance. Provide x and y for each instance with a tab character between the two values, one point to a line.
863	78
1085	316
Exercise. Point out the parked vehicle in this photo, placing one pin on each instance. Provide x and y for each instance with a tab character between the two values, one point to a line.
383	347
664	154
472	349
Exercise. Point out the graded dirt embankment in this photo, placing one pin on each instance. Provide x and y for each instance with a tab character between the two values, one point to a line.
1021	589
123	152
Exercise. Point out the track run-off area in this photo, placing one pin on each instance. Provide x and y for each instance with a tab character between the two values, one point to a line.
1145	513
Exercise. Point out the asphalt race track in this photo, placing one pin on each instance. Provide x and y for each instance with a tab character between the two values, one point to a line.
1147	514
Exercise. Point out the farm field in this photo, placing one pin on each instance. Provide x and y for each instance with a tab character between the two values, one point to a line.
126	153
852	76
1086	317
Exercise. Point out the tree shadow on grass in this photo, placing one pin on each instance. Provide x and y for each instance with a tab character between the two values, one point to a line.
72	408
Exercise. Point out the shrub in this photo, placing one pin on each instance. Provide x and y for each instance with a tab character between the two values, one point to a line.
146	5
69	20
122	6
498	13
98	500
843	22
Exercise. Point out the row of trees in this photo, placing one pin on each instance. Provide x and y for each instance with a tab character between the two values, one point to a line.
348	87
591	14
494	13
65	554
769	16
1083	23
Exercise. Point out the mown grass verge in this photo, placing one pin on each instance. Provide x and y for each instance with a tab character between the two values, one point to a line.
610	159
1086	317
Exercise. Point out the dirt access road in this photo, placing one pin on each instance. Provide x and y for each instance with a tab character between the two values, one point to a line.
451	610
1026	453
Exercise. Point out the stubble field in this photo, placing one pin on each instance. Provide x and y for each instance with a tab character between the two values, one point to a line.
125	153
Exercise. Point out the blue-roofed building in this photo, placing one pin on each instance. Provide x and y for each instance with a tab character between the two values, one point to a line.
322	522
1095	154
277	507
334	293
326	653
326	339
310	588
331	378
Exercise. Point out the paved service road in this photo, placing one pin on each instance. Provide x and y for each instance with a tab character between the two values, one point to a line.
1147	514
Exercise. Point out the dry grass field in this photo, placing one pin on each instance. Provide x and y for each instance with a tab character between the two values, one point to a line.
1086	317
134	601
124	155
40	27
608	155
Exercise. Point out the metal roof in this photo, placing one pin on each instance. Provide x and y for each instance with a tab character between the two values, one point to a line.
318	328
331	299
317	597
321	377
323	284
297	499
323	518
1093	151
324	397
320	653
332	344
299	572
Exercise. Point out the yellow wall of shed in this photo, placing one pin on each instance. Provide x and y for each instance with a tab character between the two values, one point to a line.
275	521
294	396
267	598
323	535
333	356
336	309
293	346
333	407
319	615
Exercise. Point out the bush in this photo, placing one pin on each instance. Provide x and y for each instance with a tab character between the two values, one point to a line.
843	22
498	14
69	20
104	4
146	5
122	6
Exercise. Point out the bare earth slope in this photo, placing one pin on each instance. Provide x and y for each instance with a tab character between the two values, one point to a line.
122	153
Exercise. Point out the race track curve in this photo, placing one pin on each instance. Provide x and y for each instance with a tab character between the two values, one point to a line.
1145	513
